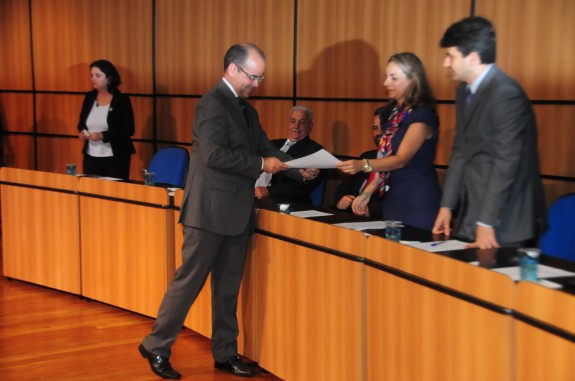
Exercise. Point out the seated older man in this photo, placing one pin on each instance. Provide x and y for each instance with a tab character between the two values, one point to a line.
282	189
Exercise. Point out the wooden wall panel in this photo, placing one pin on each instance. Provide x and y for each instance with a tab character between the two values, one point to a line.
143	117
555	139
58	114
54	153
16	112
555	188
18	151
273	116
446	114
343	46
16	63
343	127
175	117
536	44
70	34
193	36
142	159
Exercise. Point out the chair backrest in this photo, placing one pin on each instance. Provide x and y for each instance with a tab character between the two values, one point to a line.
171	166
559	239
316	195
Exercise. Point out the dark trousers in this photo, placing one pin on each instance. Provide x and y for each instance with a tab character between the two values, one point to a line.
112	166
203	252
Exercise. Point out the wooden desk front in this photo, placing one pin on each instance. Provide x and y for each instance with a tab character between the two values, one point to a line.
308	285
544	334
127	243
430	317
40	228
318	302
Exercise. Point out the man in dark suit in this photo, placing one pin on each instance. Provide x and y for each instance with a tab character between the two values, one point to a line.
282	188
230	149
493	176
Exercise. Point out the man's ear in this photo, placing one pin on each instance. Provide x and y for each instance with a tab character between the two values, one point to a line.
474	59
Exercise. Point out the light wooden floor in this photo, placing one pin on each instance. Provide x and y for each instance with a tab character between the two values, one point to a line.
50	335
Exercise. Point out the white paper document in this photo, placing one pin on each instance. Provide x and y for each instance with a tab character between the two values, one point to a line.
543	272
321	160
309	213
363	225
449	245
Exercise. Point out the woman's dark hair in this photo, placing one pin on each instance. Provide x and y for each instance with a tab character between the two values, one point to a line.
419	92
114	79
472	34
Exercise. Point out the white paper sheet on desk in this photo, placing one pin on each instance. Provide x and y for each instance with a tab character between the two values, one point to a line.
363	225
309	213
543	272
434	247
321	160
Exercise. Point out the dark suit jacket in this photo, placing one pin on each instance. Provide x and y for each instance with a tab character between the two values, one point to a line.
354	183
225	162
493	174
285	189
120	122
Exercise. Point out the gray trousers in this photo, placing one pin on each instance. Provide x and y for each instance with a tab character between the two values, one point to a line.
203	252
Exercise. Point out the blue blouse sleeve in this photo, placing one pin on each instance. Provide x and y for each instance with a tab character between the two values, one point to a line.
425	115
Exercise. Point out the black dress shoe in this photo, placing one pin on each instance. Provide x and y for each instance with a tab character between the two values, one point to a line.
159	365
236	366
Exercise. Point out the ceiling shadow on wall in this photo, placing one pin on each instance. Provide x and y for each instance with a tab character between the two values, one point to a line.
345	70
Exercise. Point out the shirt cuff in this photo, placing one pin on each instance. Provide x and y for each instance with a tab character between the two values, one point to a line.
484	225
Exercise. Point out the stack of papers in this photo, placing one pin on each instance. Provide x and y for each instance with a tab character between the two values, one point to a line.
309	213
363	225
439	246
543	272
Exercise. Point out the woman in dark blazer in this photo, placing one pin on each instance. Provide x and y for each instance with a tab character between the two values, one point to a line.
106	124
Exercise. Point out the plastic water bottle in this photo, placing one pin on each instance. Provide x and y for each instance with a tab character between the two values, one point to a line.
528	261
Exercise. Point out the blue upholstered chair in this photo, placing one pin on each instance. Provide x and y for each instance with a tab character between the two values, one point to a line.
171	166
317	194
559	239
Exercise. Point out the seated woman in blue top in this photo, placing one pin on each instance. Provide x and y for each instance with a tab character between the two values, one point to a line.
403	173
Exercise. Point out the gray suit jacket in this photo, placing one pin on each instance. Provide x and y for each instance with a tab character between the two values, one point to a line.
225	162
493	174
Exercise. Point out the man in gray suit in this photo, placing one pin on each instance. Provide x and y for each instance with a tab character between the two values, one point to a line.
230	150
493	176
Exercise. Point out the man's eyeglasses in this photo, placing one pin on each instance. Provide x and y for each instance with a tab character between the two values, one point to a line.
251	76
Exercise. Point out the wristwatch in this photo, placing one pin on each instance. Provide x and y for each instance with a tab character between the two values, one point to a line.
367	167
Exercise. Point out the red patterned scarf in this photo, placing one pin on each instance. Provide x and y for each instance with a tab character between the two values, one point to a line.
385	146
